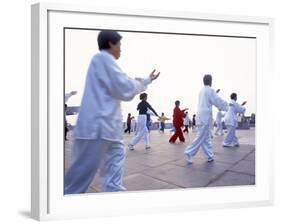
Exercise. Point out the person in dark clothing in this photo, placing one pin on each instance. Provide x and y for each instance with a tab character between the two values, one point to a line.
129	119
193	121
65	122
143	106
178	117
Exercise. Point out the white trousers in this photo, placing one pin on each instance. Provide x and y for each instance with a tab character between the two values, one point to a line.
219	129
89	156
142	131
231	139
202	139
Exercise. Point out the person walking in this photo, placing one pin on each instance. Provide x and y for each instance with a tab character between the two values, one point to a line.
142	132
162	120
129	120
219	117
231	121
207	98
194	122
178	117
186	122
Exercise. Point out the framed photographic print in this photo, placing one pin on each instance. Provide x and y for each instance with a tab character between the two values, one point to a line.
137	148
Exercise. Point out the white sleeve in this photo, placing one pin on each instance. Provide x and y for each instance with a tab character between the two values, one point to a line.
239	108
218	102
119	84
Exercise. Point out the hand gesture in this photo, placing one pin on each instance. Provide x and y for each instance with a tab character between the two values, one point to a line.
244	103
154	76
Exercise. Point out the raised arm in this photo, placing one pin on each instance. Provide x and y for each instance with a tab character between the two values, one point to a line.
218	101
68	95
239	108
118	84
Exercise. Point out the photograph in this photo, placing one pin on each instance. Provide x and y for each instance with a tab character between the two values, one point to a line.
152	111
156	111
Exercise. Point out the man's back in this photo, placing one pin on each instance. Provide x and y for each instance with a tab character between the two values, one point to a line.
208	98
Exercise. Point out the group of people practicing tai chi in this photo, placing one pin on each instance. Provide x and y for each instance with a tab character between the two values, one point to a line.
207	98
98	141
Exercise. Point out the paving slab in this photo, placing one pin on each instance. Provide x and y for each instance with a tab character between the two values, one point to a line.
244	166
180	176
251	156
151	160
230	178
231	158
164	165
133	183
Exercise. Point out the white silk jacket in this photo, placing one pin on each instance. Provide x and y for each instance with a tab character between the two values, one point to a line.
106	86
207	99
231	115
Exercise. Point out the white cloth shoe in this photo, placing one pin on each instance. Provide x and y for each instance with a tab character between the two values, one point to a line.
188	158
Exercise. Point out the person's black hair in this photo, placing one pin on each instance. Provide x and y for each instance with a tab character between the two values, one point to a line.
143	96
177	103
233	96
207	79
106	36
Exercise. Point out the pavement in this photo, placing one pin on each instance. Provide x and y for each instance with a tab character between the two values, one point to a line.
163	166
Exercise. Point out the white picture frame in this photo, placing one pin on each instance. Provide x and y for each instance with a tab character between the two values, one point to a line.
48	201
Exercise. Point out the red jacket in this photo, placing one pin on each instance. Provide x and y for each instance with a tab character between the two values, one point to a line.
178	117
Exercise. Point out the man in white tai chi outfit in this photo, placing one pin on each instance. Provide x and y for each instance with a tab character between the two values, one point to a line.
219	117
231	121
99	132
207	98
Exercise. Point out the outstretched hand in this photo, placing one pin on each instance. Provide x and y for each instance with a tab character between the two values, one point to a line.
154	76
244	103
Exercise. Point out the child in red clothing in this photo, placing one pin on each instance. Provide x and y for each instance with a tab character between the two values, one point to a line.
178	117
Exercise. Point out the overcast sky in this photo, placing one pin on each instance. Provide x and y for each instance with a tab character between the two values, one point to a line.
182	60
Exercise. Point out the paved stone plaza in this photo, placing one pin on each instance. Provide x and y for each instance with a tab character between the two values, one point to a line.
164	167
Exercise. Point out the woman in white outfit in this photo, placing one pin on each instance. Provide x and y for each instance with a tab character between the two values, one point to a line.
143	132
207	98
231	121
